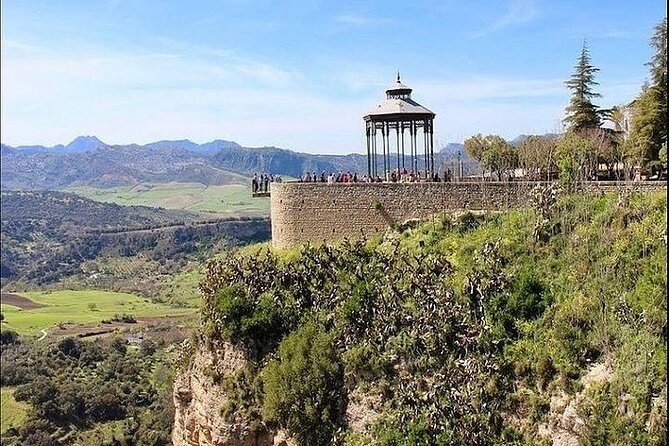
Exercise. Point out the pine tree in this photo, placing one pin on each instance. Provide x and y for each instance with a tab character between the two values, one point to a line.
582	114
658	76
649	121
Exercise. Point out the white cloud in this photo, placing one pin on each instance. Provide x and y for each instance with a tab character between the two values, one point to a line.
518	12
361	20
202	94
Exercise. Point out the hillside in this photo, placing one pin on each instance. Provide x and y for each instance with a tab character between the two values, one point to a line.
48	237
537	326
89	162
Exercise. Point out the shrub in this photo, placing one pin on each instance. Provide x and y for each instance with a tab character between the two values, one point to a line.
259	323
8	337
304	387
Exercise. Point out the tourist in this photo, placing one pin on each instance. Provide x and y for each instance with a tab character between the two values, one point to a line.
254	183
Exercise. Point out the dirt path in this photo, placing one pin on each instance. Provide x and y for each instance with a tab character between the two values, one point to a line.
19	301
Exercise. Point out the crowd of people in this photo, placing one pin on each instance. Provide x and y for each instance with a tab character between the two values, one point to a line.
394	176
261	183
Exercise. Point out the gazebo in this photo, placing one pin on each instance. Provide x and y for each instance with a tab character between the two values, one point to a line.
397	114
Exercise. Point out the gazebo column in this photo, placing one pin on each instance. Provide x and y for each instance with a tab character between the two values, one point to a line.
397	141
385	159
414	148
402	144
427	173
374	155
432	146
369	153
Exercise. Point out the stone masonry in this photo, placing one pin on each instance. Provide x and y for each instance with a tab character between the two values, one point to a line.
321	212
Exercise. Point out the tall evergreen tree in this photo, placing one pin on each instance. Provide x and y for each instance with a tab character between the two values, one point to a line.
658	76
582	114
649	121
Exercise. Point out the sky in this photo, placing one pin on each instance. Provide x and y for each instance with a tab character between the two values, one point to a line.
302	74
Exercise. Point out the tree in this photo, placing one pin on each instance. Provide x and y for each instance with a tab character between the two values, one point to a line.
304	387
581	112
493	153
536	155
648	131
576	158
658	64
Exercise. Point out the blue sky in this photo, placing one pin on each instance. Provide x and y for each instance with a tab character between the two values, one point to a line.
301	74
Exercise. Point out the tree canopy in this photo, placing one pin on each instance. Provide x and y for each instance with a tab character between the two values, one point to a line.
649	122
581	112
493	152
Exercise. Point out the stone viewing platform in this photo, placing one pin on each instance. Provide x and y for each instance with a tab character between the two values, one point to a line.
320	212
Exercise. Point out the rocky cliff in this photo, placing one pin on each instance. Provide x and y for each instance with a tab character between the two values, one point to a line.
199	401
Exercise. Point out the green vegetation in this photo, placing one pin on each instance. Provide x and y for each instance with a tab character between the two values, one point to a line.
74	306
582	114
307	360
86	393
493	152
219	201
587	150
462	329
12	412
649	122
53	239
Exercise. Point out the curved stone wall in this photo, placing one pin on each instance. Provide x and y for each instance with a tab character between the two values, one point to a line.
317	212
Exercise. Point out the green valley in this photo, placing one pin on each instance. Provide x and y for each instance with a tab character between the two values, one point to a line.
211	200
56	308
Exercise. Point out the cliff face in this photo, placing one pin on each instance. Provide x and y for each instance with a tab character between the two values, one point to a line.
198	401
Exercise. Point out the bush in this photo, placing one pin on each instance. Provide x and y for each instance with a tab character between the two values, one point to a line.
259	323
304	387
8	337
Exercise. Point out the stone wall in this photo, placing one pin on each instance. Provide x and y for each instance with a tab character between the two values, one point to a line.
317	212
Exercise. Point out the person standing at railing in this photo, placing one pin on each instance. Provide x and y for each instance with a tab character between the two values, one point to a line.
254	183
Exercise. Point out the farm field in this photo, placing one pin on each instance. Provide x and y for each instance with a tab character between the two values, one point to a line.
78	307
215	201
12	412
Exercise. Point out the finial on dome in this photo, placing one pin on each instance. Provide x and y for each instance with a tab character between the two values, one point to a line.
398	76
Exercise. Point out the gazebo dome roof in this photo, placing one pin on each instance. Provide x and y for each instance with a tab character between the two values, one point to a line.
398	87
399	102
399	106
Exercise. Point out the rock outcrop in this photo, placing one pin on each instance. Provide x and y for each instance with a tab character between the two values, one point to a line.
198	401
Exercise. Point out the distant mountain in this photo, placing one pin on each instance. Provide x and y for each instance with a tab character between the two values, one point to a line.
518	140
81	144
87	161
180	144
452	148
78	145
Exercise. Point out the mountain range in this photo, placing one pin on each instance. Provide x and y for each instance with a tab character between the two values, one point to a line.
87	161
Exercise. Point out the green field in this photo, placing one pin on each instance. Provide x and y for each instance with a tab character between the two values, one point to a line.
217	201
80	307
13	412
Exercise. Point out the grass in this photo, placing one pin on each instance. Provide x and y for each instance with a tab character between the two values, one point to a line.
80	307
13	412
216	201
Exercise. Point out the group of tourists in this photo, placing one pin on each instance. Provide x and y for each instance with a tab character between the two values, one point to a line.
394	176
341	177
261	183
